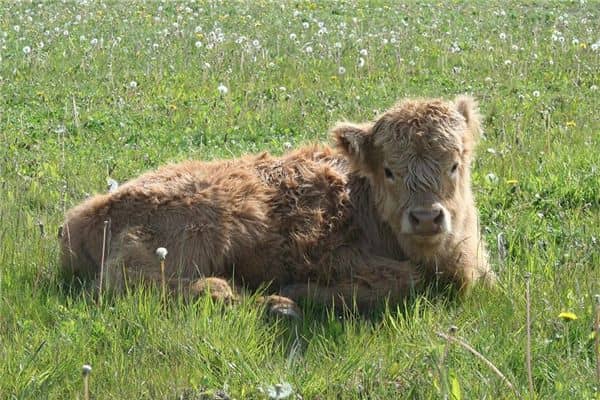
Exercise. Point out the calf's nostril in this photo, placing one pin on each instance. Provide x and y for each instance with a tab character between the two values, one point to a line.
413	219
440	217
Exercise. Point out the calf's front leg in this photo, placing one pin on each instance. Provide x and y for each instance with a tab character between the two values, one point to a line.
356	278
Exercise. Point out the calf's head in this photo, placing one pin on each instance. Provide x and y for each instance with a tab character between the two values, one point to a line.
417	156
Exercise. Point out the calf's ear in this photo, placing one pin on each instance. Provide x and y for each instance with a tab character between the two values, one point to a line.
469	109
355	141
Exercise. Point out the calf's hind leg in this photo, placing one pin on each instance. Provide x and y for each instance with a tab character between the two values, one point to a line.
132	259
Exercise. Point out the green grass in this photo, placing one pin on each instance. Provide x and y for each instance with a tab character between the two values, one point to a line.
70	118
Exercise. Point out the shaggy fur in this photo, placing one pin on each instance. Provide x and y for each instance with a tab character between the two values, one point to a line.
385	210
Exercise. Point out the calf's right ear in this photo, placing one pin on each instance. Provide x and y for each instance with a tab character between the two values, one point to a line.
355	141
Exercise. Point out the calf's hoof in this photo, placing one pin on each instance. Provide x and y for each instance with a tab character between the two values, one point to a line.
218	289
279	306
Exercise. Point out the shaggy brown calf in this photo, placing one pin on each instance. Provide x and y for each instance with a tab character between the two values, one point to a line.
388	208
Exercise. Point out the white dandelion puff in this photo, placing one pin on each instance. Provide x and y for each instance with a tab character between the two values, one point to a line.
223	90
161	253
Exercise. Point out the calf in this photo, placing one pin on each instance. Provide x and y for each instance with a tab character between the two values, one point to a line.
388	208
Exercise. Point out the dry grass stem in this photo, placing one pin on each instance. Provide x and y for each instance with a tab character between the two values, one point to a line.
528	329
597	336
481	357
100	286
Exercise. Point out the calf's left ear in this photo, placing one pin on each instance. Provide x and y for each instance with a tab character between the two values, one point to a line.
469	109
356	142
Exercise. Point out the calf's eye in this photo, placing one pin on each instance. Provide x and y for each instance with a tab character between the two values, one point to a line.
388	173
454	168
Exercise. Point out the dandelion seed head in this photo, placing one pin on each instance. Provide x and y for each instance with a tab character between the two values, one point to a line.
27	50
223	90
161	253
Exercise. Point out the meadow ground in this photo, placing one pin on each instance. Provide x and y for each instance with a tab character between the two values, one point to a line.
92	90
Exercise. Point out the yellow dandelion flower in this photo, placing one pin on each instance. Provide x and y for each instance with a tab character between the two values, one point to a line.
571	123
512	181
583	45
567	316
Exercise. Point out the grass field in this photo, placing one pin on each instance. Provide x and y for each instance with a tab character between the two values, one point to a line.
90	91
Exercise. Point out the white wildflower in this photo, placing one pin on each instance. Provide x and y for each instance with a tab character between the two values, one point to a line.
280	391
536	93
341	70
361	62
198	44
363	52
161	253
223	90
491	178
86	369
133	84
27	50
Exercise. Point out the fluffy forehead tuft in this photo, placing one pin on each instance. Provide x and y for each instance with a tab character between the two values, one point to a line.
422	125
